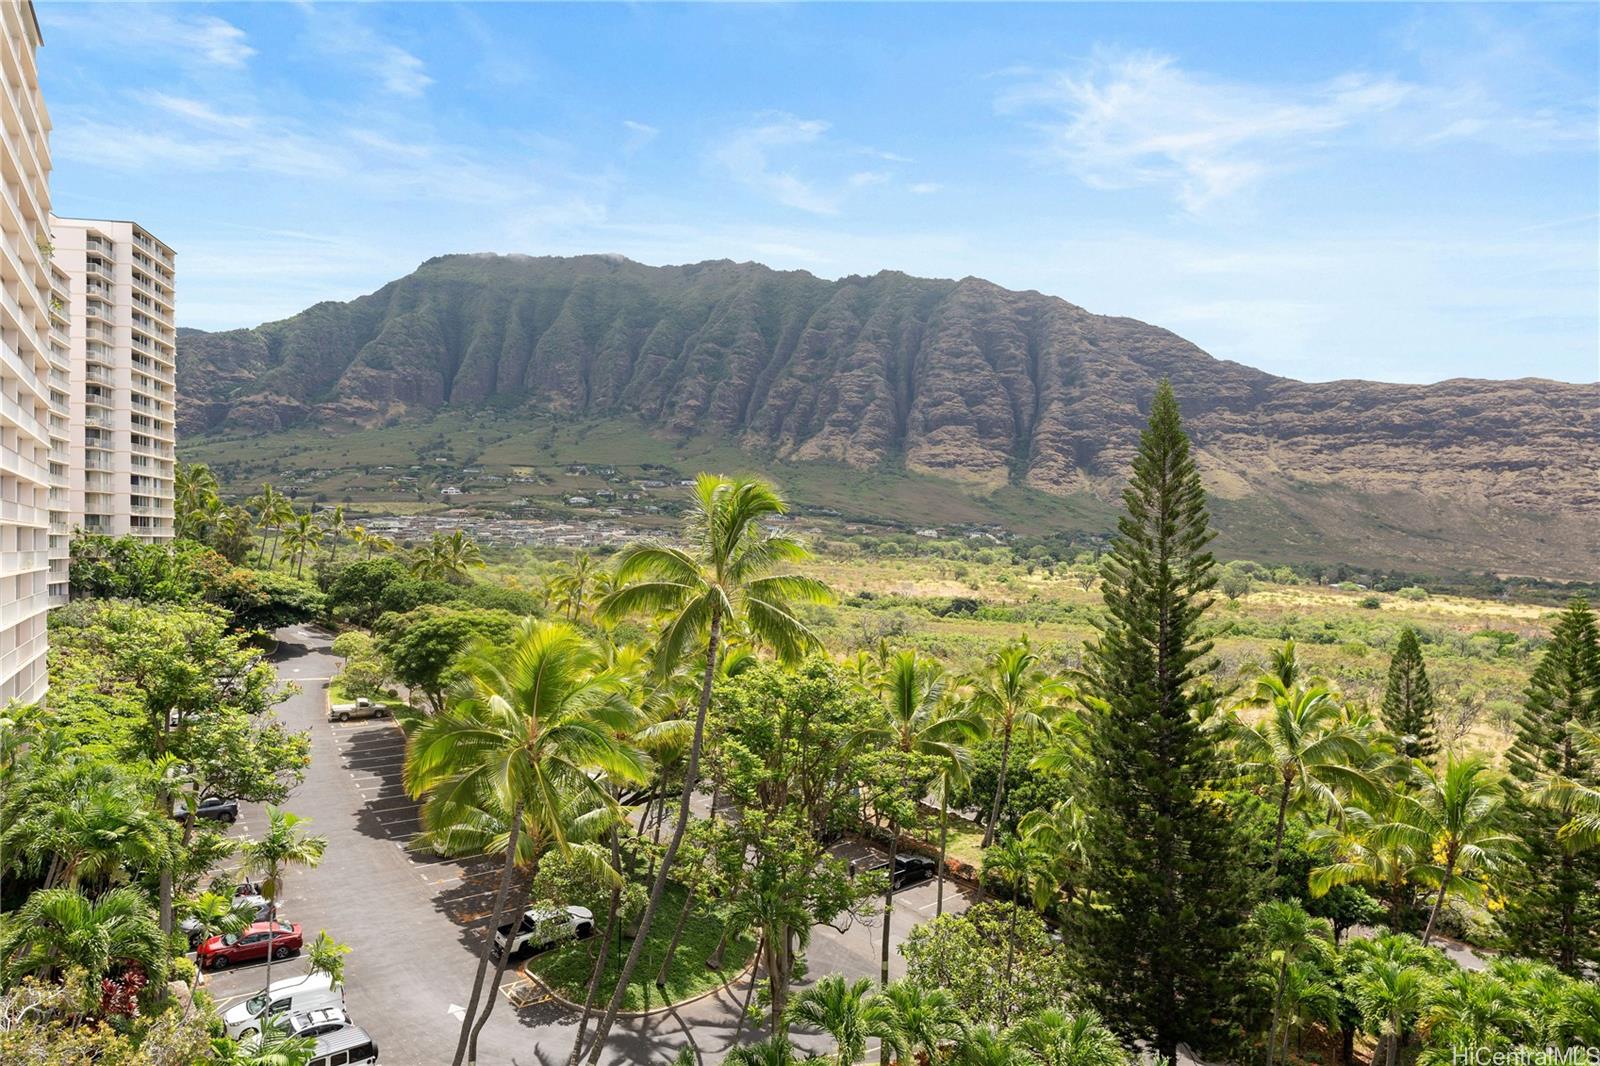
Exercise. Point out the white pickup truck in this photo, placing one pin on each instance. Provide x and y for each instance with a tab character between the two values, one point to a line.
361	708
541	927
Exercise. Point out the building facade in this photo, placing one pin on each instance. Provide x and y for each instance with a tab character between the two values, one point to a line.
123	383
27	370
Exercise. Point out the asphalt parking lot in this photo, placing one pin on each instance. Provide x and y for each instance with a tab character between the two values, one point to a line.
409	919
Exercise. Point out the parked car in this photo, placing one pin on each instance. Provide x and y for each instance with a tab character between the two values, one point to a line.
908	869
361	708
541	927
251	944
212	810
281	997
318	1021
194	929
350	1046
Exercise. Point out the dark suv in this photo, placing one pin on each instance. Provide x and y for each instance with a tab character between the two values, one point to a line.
211	810
908	869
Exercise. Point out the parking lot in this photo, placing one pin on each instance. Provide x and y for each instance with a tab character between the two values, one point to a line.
408	919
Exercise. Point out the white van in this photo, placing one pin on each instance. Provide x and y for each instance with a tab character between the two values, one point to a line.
350	1046
293	994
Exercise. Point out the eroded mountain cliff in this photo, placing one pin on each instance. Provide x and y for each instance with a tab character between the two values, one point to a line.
962	379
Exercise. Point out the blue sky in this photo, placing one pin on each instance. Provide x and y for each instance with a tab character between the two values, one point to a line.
1381	191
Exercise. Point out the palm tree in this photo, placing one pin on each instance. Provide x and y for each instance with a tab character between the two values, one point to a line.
300	538
1011	694
1309	997
234	533
1455	818
838	1008
1389	985
218	914
1577	1024
326	955
276	1047
723	578
446	558
585	815
1056	1038
1389	995
85	823
1364	854
1471	1010
985	1047
1288	934
1304	743
270	856
1062	832
58	928
1579	800
573	585
1024	867
378	544
273	511
522	735
773	1051
334	528
914	1022
195	500
924	719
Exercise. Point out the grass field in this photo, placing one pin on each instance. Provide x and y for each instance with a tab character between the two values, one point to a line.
1480	653
567	968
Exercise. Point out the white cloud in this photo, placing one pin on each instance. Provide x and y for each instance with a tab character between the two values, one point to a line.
864	178
195	110
925	188
1127	119
338	33
638	134
746	155
133	28
1132	119
219	41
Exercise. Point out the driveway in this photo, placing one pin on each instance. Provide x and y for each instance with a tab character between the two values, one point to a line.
408	919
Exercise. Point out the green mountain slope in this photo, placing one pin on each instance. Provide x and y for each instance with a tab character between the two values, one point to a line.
992	395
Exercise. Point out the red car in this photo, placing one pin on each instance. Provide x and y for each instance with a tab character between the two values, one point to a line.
249	945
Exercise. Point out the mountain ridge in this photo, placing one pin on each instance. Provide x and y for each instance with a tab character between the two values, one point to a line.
961	379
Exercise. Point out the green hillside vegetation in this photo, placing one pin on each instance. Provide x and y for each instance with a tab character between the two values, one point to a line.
893	398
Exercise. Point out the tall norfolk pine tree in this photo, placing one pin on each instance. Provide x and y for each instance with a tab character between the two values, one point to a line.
1170	883
1408	700
1556	914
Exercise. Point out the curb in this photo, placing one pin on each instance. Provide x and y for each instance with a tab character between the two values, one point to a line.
557	997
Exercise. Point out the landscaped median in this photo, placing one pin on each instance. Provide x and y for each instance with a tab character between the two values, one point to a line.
564	970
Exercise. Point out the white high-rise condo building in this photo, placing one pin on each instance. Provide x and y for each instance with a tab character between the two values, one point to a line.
29	370
123	334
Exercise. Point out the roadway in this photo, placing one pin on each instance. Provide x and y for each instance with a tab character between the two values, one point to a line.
410	920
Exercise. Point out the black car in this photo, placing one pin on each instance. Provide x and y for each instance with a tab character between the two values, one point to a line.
196	931
908	869
213	810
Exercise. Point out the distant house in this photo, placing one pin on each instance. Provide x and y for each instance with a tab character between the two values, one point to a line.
931	534
449	490
579	501
652	484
